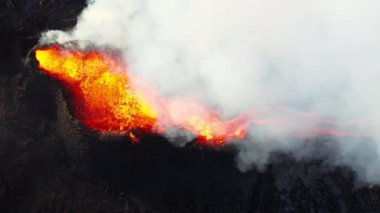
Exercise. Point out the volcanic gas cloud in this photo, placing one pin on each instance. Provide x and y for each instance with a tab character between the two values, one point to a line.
107	98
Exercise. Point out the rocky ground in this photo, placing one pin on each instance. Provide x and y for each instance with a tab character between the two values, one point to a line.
50	163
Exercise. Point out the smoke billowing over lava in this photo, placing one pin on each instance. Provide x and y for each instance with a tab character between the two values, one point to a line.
106	100
179	57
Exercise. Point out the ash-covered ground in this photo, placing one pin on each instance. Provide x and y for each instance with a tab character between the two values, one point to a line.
50	163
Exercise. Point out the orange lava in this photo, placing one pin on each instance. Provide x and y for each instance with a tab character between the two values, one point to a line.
105	101
102	95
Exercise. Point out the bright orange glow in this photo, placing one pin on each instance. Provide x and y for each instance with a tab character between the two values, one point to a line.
105	100
205	123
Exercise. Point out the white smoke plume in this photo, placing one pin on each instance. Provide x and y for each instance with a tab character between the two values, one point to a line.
319	56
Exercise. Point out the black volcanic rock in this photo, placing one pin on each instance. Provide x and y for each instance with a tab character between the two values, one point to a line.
50	163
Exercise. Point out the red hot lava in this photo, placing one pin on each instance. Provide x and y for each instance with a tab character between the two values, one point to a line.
105	101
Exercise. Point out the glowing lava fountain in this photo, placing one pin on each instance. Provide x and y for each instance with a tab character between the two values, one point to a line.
105	99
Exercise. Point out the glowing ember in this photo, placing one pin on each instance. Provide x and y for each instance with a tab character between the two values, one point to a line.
105	101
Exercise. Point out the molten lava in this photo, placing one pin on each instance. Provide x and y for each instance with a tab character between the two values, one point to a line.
101	91
106	101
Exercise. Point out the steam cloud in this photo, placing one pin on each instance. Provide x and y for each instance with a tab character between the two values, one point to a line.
317	56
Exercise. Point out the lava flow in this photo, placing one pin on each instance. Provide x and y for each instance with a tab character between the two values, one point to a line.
106	101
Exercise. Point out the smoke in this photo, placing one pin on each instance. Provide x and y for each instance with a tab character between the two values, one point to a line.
311	56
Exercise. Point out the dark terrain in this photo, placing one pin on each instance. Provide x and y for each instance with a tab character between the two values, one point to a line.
50	163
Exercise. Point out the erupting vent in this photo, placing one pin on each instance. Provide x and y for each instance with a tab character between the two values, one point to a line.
108	99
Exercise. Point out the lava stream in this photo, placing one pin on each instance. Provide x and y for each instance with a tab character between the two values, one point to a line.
105	100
